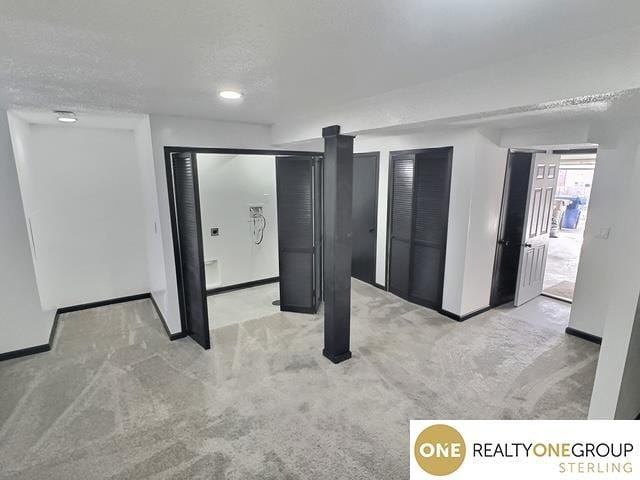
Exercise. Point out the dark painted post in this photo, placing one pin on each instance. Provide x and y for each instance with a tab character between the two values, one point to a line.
338	189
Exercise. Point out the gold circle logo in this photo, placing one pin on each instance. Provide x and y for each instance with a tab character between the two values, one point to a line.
439	450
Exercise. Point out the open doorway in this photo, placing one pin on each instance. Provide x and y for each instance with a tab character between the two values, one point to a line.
247	234
569	218
545	201
238	206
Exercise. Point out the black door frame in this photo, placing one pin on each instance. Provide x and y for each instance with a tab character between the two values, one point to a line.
375	257
168	152
418	151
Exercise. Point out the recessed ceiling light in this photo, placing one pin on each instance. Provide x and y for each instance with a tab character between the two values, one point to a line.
230	95
65	116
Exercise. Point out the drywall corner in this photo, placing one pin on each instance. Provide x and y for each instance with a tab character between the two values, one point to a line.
23	322
486	184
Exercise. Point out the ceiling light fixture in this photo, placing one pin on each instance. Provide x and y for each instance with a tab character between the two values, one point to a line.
230	95
66	116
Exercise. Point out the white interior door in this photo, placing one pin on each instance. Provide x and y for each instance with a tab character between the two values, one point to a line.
535	235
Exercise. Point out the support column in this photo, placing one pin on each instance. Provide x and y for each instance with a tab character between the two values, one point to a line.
338	189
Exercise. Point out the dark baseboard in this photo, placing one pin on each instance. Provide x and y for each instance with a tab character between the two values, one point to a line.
373	284
172	336
452	316
85	306
23	352
54	328
337	358
377	285
298	309
584	335
459	318
240	286
102	303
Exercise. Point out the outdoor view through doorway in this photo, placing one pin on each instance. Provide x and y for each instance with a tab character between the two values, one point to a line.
568	223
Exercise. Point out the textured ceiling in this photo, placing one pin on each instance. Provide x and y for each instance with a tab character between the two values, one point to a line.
290	57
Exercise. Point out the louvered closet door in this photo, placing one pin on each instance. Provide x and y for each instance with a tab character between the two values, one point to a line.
298	229
187	207
401	224
431	212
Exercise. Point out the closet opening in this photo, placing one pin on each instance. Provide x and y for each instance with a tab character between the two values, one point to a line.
420	182
247	231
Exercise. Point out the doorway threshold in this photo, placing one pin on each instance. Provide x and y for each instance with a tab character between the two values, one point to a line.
557	297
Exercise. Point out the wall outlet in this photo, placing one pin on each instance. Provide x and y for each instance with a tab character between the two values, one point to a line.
215	231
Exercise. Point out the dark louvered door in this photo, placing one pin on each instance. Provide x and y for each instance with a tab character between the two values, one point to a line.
431	213
299	223
191	265
401	224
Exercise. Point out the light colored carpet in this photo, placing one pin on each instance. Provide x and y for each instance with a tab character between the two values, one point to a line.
116	399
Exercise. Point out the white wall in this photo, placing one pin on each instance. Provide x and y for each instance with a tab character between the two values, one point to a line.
592	292
487	182
22	321
83	199
616	289
550	133
629	398
155	253
576	70
193	132
228	185
476	191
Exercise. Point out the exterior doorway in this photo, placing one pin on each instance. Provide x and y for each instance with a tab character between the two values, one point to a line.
545	202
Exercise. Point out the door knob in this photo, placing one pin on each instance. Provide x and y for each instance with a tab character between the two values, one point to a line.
528	245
